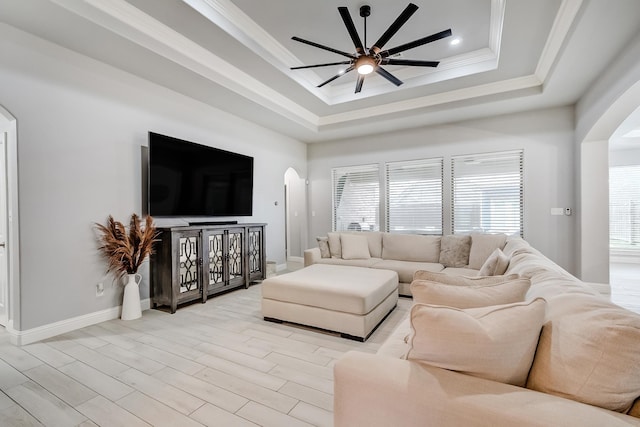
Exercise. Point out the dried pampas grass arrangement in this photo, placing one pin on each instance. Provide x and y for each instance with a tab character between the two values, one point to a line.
124	249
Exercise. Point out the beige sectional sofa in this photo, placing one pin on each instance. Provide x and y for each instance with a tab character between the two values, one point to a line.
406	253
585	371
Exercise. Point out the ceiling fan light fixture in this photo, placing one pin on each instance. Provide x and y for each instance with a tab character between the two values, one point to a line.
365	65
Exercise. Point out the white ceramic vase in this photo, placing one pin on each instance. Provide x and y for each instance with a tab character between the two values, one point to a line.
131	299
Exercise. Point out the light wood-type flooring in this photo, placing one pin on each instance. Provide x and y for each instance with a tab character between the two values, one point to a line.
213	364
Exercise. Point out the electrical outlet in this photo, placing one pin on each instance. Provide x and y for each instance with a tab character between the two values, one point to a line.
567	211
100	289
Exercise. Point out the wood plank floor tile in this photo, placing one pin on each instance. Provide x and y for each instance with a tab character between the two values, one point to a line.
44	406
16	416
301	365
268	417
131	359
18	358
96	360
61	385
313	415
171	396
10	376
257	377
234	356
302	378
48	354
154	412
106	413
211	393
212	416
99	382
307	394
249	390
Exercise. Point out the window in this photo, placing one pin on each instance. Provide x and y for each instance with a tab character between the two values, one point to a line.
487	193
624	207
414	196
356	198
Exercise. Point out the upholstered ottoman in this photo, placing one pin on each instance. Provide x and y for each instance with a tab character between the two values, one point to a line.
345	299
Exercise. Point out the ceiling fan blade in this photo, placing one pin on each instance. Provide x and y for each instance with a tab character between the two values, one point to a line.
416	43
387	75
330	49
399	22
348	22
359	83
336	76
320	65
412	62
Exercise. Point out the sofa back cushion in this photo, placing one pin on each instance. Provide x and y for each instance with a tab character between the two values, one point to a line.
589	351
354	246
410	247
482	245
482	295
454	250
496	342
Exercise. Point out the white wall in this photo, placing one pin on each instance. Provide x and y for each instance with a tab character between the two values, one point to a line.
546	137
80	128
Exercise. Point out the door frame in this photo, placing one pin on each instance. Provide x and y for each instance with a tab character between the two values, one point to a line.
8	125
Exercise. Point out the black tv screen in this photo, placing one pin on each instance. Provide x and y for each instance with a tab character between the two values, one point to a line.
188	179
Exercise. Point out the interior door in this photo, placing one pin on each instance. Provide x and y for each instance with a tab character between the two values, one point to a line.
4	265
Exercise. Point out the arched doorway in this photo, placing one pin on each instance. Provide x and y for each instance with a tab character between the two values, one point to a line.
295	214
9	264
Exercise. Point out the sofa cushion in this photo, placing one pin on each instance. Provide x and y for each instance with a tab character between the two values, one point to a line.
589	351
323	244
335	246
434	293
454	250
374	238
406	269
354	246
370	262
482	245
411	247
515	246
496	342
461	280
495	265
460	271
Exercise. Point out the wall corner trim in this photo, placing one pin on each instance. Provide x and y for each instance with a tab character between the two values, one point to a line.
39	333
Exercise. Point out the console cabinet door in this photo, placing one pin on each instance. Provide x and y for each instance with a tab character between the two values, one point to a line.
256	259
235	257
187	279
214	260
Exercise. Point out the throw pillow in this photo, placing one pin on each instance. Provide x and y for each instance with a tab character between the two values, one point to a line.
497	343
495	265
323	244
589	351
434	293
354	247
334	245
451	279
482	245
454	250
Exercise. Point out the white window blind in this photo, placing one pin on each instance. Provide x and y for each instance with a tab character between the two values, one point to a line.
487	193
414	196
624	207
356	198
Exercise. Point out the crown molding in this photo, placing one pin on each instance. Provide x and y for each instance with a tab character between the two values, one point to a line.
559	31
504	86
127	21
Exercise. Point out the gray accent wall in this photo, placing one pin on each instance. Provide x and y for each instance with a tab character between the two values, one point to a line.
81	124
545	135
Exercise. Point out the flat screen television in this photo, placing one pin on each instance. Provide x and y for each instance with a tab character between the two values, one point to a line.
187	179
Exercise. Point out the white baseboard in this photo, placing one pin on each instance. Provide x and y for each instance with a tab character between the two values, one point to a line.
30	336
295	259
